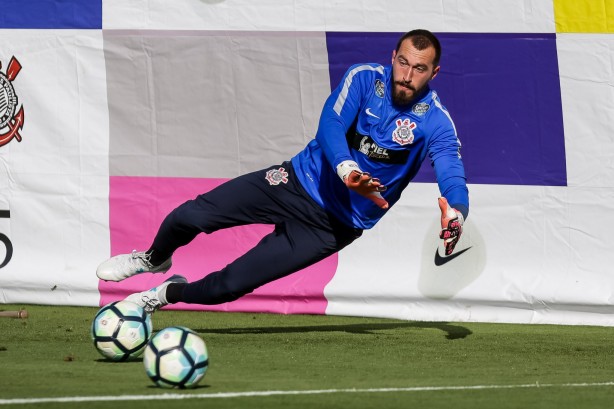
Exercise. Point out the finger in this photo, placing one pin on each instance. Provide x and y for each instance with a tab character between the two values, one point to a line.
378	200
376	186
443	204
450	245
365	179
448	234
354	177
454	224
373	183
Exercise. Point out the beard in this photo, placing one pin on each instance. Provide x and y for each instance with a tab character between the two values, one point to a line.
403	95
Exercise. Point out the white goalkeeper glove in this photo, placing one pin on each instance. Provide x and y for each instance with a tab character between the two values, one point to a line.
451	225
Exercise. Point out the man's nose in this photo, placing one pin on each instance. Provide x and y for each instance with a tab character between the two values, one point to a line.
407	75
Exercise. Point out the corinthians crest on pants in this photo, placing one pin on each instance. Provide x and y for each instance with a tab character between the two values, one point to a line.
403	135
277	176
11	119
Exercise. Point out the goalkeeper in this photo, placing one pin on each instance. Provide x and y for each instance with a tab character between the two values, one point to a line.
375	130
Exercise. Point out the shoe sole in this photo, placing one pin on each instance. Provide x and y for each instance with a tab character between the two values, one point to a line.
161	271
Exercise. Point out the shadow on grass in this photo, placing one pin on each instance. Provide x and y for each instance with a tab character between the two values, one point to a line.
204	386
452	331
136	360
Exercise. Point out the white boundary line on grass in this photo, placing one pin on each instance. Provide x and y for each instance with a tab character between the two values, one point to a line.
225	395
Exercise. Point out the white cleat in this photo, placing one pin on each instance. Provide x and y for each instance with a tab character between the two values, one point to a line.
154	299
123	266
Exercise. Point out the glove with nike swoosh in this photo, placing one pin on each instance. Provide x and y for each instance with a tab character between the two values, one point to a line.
362	182
451	225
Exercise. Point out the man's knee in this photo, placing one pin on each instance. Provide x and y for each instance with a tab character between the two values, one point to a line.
185	218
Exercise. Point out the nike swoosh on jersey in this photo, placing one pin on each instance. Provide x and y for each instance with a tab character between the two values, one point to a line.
440	261
368	111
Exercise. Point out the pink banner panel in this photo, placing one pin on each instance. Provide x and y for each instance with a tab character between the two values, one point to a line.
137	207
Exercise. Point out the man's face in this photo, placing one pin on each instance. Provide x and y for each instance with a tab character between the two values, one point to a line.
412	69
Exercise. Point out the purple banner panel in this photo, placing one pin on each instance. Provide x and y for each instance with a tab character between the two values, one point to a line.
51	14
503	93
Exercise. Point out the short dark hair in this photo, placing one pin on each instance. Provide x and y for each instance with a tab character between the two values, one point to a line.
422	39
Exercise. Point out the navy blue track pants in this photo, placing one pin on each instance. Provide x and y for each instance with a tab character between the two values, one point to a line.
304	232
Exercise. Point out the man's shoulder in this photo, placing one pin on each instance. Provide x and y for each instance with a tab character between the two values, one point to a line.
433	111
430	103
366	69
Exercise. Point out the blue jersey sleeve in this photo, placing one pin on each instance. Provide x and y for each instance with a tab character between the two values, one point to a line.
340	112
444	153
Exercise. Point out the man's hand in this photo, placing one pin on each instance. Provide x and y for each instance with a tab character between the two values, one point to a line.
451	225
363	184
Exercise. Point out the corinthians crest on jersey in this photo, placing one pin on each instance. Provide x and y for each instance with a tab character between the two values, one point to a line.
11	119
403	134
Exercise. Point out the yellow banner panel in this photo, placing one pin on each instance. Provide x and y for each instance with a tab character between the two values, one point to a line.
585	16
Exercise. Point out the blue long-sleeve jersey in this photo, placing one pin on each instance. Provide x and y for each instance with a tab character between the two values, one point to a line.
359	122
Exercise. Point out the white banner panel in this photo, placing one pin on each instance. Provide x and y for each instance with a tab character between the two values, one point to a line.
200	90
587	91
319	15
55	181
528	254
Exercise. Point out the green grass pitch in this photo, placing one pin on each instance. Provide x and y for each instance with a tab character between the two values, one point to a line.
299	361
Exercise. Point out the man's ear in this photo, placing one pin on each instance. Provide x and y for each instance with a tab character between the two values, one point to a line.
435	71
394	54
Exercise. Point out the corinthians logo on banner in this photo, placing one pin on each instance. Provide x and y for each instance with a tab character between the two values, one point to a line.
11	119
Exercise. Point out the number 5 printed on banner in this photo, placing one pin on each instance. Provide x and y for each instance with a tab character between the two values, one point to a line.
5	214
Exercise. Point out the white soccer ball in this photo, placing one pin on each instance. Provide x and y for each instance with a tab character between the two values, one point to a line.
121	330
176	357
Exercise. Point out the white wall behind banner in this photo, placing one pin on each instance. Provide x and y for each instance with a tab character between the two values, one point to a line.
321	15
530	254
